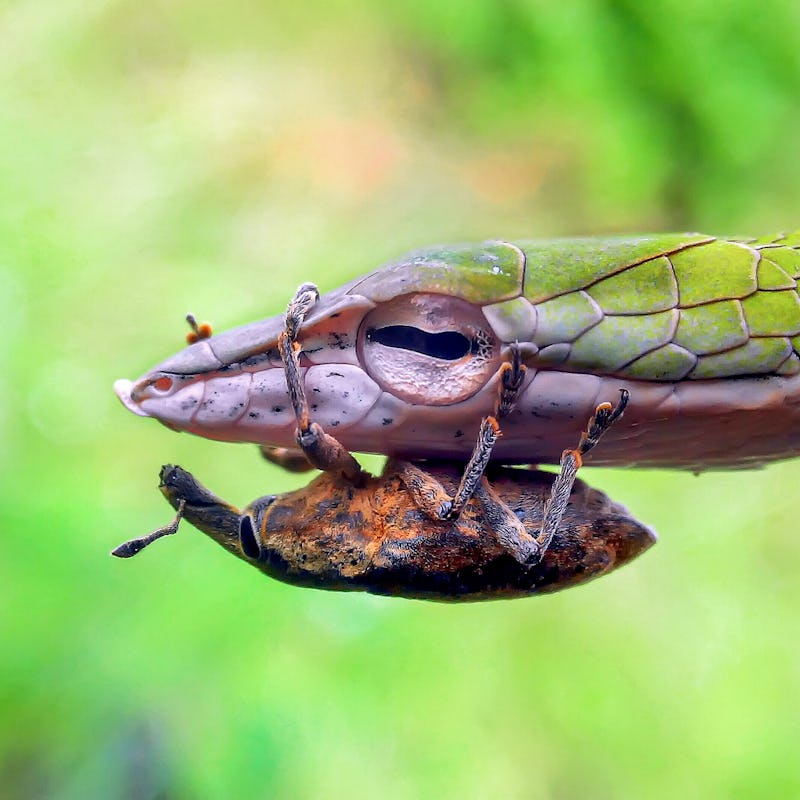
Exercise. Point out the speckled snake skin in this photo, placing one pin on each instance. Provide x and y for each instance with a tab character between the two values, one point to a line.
703	332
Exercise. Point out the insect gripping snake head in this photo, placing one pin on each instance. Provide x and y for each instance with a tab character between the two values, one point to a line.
330	535
421	332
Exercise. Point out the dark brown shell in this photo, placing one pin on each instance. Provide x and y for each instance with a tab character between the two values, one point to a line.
331	535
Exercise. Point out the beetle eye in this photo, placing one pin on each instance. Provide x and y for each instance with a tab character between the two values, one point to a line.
247	537
429	349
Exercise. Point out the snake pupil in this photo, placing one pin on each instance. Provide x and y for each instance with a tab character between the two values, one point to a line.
449	345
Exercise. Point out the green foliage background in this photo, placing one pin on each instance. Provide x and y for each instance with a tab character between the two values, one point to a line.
169	156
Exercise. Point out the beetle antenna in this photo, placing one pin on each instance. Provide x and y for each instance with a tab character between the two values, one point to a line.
133	546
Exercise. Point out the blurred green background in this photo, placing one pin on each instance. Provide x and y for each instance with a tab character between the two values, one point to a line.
169	156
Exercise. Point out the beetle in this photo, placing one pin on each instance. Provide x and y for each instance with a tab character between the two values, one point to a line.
704	332
520	532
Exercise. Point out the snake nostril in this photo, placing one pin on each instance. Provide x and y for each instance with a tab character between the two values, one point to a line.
162	384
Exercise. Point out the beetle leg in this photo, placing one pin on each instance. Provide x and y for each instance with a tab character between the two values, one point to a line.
321	449
506	526
571	460
429	495
285	457
512	374
488	434
304	298
289	349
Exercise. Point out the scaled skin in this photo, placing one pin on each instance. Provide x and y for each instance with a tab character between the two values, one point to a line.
373	538
704	333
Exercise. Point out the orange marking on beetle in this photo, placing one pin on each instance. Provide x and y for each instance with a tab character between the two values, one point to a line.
331	535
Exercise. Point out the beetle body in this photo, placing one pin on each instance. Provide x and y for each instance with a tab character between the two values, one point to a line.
703	332
373	537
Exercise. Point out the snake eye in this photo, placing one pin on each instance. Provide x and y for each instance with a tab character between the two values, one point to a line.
449	346
428	348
